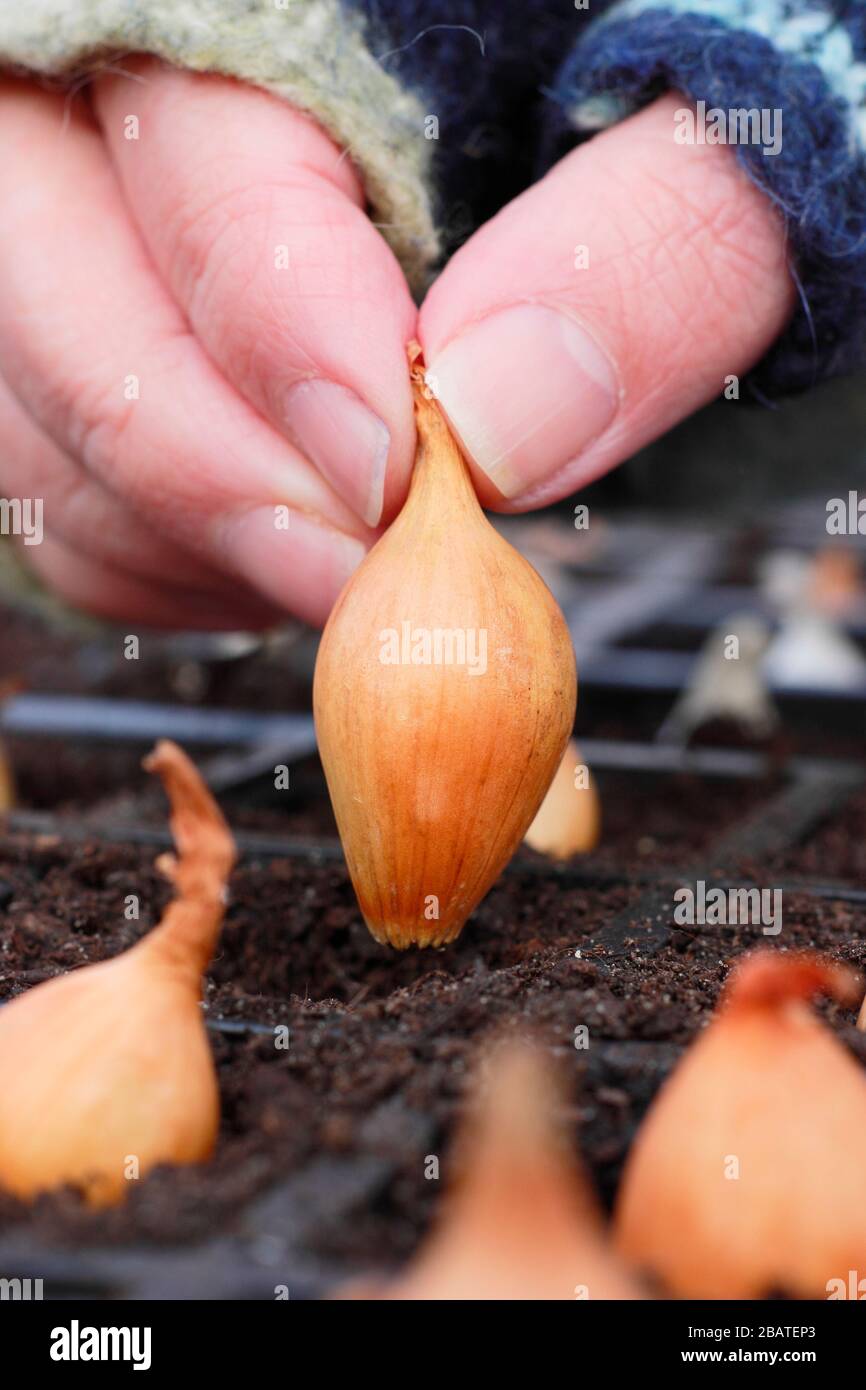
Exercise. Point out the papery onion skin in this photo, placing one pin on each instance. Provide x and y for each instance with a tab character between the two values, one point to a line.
748	1175
435	772
568	820
107	1071
520	1221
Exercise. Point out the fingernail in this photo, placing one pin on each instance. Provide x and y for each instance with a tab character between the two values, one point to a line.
299	563
344	439
527	390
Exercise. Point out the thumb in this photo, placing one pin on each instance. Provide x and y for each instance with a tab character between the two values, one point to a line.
602	306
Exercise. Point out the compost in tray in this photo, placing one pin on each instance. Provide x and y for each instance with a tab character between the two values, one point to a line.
319	1174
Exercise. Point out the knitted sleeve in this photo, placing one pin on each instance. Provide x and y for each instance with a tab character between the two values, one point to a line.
451	107
320	55
785	82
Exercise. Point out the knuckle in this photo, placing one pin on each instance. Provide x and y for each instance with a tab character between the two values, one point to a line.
207	234
705	250
223	253
718	231
91	417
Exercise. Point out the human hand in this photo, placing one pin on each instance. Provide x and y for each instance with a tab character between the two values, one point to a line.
155	261
197	326
552	371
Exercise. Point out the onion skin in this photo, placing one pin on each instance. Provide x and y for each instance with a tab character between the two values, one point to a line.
569	818
520	1220
111	1062
769	1085
7	784
8	687
436	773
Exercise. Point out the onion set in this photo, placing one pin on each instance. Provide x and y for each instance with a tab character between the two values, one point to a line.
444	695
107	1071
748	1175
569	818
521	1221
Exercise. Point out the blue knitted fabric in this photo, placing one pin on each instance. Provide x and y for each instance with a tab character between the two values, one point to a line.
818	177
483	70
512	85
515	84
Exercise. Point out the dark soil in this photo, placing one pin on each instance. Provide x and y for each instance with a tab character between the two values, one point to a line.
381	1043
837	850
